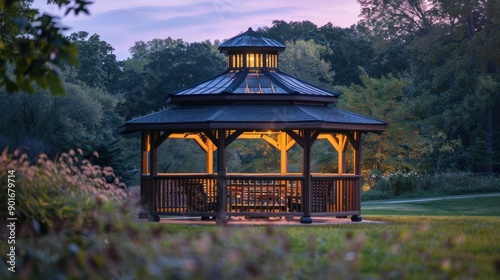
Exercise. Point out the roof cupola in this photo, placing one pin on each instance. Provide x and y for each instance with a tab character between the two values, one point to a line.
251	50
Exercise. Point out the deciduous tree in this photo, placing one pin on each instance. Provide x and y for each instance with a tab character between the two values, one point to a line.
32	47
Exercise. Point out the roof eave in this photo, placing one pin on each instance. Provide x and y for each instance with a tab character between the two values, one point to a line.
252	98
278	126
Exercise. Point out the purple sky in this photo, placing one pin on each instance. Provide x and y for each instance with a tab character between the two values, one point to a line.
123	22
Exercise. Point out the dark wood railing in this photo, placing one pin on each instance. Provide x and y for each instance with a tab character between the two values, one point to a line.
336	194
274	195
249	195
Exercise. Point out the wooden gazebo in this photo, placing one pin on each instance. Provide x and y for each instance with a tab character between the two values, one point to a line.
253	99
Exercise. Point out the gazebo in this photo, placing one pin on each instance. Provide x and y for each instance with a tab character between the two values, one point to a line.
253	99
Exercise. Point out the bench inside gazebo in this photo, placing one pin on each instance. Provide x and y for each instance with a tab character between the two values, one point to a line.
253	99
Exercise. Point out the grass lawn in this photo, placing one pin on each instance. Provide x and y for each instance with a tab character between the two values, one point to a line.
476	206
410	241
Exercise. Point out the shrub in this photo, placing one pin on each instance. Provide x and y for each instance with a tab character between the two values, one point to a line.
413	184
67	189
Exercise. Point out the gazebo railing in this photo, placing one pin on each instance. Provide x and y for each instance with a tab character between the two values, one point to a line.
274	195
340	194
250	195
180	194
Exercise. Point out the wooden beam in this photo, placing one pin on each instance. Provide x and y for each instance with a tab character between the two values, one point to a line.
299	140
161	139
352	140
195	136
271	141
200	142
211	136
290	143
233	136
314	136
333	140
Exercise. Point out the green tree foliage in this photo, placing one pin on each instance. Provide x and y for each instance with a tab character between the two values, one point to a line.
32	47
55	122
348	48
303	59
401	147
85	118
160	67
455	51
391	19
98	65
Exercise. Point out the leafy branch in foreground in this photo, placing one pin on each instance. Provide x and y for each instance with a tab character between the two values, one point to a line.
32	47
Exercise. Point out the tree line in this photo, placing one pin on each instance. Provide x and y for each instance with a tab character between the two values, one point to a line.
431	69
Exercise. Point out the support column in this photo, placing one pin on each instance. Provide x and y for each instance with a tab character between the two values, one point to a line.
210	157
153	171
282	140
221	178
357	153
357	171
306	171
145	147
342	164
145	194
342	160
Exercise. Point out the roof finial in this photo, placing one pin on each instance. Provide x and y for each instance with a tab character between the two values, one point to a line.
250	29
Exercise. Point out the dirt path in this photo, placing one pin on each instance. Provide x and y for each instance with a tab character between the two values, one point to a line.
412	200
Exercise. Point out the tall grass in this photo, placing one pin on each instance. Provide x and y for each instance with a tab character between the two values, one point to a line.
413	184
67	189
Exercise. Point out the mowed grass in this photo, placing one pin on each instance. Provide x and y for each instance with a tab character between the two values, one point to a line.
413	247
406	244
474	206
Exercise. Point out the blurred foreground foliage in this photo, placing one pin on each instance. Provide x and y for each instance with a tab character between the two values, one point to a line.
75	221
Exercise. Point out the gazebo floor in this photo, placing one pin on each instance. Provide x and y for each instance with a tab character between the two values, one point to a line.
242	221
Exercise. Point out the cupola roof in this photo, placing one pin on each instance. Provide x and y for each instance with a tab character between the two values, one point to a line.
251	40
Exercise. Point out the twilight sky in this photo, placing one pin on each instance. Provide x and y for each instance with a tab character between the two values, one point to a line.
123	22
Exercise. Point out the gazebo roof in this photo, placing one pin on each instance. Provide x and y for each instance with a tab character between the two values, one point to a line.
250	40
269	85
253	94
254	117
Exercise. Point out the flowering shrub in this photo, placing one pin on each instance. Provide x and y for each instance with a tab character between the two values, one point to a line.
65	189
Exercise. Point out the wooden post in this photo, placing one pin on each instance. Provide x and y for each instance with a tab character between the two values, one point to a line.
342	164
221	178
153	171
357	153
342	161
210	157
145	147
357	171
306	171
282	139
